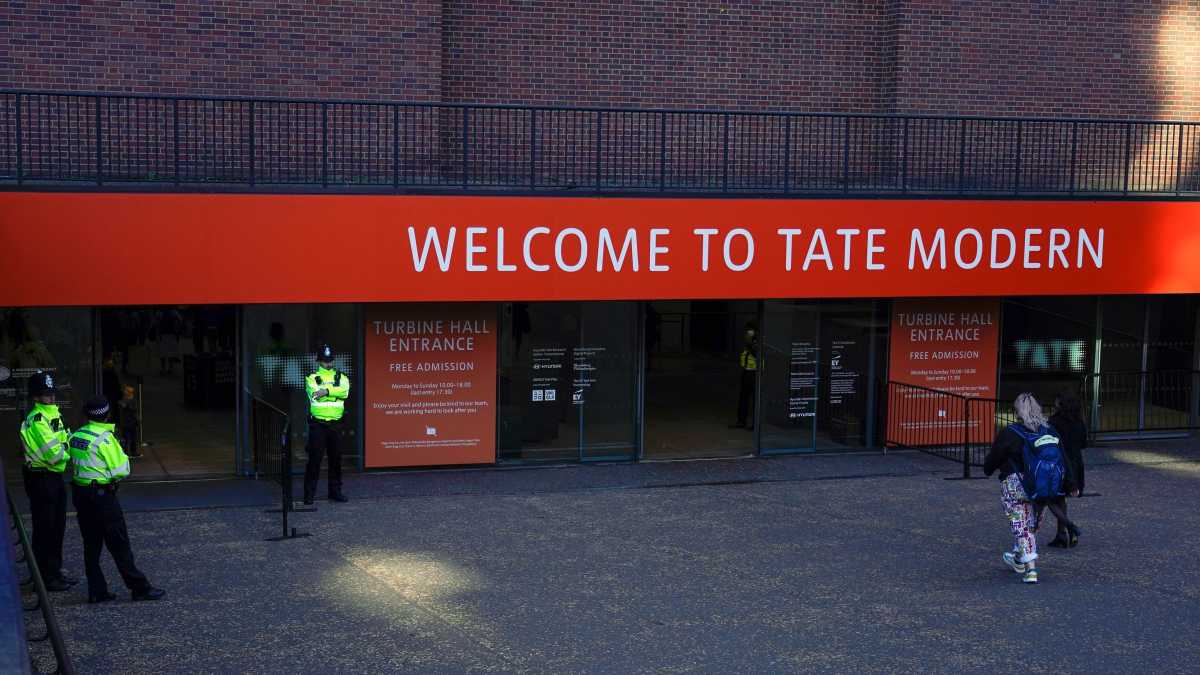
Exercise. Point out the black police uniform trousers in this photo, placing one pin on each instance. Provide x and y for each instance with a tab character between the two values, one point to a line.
48	508
746	398
102	523
323	439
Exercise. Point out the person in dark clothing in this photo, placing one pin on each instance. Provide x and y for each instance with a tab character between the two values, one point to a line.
1072	431
1007	458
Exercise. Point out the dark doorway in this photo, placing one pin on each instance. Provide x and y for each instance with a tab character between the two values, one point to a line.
170	372
696	379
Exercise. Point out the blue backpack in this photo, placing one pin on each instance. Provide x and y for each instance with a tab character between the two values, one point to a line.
1044	469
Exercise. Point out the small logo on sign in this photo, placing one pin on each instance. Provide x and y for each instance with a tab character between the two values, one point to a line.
537	395
551	394
431	431
577	397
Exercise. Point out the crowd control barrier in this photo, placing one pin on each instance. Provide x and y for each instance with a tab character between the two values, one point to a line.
272	441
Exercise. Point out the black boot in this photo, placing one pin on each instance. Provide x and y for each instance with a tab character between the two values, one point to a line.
150	593
338	497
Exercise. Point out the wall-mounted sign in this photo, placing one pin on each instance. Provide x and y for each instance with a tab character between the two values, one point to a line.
946	345
430	384
438	248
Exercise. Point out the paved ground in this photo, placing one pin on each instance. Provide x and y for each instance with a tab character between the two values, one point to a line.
823	564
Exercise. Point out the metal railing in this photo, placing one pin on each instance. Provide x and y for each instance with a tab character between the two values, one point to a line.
1142	401
180	142
271	440
41	597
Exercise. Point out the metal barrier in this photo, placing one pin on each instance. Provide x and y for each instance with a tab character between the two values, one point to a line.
271	438
42	602
340	145
1142	401
944	424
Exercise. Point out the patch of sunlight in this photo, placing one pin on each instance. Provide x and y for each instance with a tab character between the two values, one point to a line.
1159	461
415	576
1178	47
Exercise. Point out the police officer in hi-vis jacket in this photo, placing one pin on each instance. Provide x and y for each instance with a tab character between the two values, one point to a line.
44	439
327	390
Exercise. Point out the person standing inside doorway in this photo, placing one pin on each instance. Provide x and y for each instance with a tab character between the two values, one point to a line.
99	464
44	438
748	367
327	390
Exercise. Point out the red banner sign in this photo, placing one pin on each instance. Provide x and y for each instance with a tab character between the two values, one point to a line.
430	384
943	346
228	248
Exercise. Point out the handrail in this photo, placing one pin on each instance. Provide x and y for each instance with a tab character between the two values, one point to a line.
133	141
53	632
771	112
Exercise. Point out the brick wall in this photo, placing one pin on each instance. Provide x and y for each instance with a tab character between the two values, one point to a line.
372	50
1101	58
1096	59
810	55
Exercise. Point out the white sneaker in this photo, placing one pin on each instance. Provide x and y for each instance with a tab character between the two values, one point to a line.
1010	559
1030	576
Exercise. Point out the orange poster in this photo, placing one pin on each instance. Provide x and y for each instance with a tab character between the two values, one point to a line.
944	345
430	384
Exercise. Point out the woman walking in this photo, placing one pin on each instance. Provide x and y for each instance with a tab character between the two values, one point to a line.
1072	432
1007	457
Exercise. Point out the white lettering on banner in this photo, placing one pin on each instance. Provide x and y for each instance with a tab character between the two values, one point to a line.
656	250
739	267
628	247
602	249
704	234
938	248
958	257
872	249
848	235
818	239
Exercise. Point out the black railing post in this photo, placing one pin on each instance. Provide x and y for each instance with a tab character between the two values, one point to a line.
252	145
845	155
466	133
324	144
1179	160
20	144
1074	153
395	147
904	158
662	151
599	131
966	462
175	133
962	155
1128	155
725	158
1017	162
285	471
533	148
99	147
787	153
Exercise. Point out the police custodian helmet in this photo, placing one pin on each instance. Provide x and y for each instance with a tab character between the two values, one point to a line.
41	383
325	353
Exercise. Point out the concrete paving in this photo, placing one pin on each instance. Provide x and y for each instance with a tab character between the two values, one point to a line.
810	564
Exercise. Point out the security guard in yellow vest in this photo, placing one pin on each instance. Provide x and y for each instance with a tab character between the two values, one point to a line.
748	365
99	464
327	390
44	438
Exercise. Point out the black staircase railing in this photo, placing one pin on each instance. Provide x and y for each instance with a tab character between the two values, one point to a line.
37	588
120	141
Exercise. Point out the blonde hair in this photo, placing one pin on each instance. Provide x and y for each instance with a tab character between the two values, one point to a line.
1029	411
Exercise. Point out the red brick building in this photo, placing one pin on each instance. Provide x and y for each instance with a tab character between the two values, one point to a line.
578	191
1095	59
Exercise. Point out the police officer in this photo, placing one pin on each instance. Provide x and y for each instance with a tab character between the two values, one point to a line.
748	366
99	464
44	437
327	390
